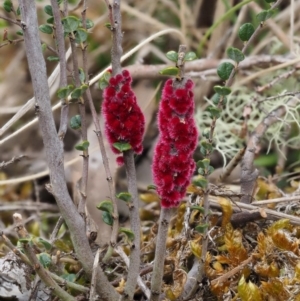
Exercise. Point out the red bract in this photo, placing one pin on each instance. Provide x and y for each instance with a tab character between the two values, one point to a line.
124	120
173	164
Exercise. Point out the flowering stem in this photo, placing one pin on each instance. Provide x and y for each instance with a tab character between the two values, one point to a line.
134	265
160	253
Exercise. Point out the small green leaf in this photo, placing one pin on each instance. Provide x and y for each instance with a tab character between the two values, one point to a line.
19	32
44	47
169	71
81	75
80	35
47	245
235	54
201	182
64	91
201	209
151	187
210	169
75	122
172	56
69	277
106	206
70	24
124	196
104	80
107	25
44	259
214	111
190	56
206	133
222	90
45	28
89	23
127	232
52	58
122	146
78	92
18	12
203	163
246	31
265	15
216	98
202	228
224	70
205	147
8	6
25	240
107	218
84	145
48	10
50	20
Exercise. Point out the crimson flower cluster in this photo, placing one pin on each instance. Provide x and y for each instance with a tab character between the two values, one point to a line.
124	120
173	163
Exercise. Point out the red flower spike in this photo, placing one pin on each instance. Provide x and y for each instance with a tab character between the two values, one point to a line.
173	163
124	120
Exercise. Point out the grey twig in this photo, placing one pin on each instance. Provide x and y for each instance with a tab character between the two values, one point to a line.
4	164
38	267
54	150
160	253
60	41
134	265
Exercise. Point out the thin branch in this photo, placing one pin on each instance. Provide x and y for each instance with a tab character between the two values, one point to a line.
116	50
160	253
17	159
134	266
249	172
60	42
11	20
53	148
38	267
93	296
140	282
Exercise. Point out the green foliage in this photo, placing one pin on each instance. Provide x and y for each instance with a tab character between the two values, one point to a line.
45	28
190	56
235	54
75	122
122	146
70	24
202	228
53	58
80	35
265	15
222	90
78	92
172	56
224	70
246	31
83	146
106	206
129	234
64	91
8	6
44	259
124	196
48	10
173	71
107	218
104	80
